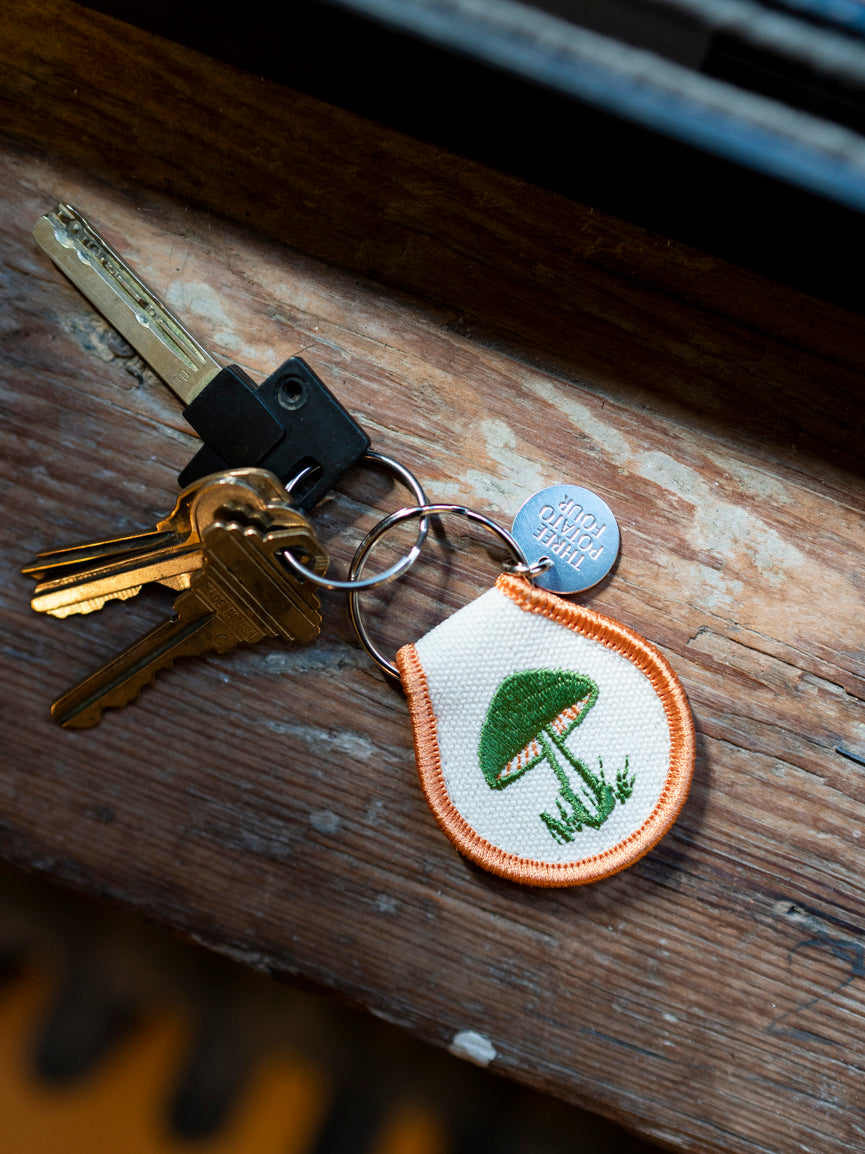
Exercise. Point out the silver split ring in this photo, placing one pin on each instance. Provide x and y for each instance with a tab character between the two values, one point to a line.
519	566
352	586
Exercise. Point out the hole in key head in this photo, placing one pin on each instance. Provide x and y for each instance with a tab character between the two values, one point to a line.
291	392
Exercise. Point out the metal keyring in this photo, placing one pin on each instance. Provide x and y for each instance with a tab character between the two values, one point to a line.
520	566
351	586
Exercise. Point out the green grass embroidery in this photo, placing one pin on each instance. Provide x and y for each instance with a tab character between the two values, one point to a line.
528	721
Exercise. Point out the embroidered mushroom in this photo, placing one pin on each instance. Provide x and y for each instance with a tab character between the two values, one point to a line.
529	719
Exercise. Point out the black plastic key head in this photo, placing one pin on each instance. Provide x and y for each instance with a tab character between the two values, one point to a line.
290	423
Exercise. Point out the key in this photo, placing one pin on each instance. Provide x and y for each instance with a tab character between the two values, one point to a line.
242	593
290	424
81	579
53	563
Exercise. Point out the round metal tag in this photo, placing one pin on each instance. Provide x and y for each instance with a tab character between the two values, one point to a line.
573	527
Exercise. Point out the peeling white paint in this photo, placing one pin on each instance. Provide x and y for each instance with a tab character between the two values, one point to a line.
375	810
324	820
473	1047
354	745
195	298
731	533
728	531
759	482
611	442
514	481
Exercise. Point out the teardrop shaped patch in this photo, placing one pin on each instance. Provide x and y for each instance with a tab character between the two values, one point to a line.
555	746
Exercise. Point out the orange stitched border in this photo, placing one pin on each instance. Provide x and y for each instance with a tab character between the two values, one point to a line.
622	640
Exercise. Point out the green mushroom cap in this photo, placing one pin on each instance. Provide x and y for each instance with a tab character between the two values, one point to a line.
524	705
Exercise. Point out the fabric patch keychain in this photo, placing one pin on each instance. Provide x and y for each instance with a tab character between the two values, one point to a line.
554	745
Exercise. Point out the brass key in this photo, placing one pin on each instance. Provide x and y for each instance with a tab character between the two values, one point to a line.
52	563
242	593
82	578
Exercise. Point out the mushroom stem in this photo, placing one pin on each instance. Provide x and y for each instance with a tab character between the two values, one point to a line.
603	797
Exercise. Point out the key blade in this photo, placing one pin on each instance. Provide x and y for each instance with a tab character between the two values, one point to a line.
122	679
51	564
125	301
240	595
82	578
88	590
251	487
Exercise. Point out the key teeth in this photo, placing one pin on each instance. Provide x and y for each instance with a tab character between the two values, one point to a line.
121	680
89	713
90	606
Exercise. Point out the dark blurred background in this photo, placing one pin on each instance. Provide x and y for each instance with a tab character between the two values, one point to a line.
118	1037
733	126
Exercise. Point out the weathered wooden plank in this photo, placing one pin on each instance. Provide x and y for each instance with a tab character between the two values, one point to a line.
290	832
265	802
503	259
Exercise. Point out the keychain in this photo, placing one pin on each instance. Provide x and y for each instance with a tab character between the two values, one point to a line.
554	745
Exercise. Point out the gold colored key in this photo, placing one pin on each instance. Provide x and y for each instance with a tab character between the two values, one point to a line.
242	593
82	578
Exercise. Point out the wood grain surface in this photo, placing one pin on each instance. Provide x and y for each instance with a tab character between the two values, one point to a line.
264	802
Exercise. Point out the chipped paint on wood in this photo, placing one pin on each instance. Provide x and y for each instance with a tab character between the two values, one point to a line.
474	1047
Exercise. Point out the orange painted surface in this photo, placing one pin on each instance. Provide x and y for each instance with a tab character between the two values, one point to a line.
412	1130
120	1106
